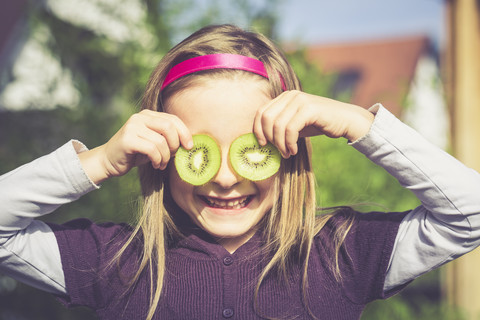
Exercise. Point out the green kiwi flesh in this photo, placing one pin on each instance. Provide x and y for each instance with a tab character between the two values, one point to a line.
200	164
252	161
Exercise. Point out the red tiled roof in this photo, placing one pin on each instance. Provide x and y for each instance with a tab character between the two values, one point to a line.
386	67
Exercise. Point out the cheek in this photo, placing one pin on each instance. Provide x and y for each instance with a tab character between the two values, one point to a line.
180	190
266	189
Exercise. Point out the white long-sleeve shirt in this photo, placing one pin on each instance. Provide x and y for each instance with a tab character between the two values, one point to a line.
444	227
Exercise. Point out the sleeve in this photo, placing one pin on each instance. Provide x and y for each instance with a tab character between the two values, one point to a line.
41	186
447	224
28	248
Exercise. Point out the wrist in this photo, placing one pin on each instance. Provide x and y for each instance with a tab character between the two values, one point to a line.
93	164
361	123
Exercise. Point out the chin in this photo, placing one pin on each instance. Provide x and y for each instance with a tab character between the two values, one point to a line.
229	231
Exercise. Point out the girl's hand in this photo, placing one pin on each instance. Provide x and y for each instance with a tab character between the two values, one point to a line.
146	136
295	114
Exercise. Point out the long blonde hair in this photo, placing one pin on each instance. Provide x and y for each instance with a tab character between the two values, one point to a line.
291	224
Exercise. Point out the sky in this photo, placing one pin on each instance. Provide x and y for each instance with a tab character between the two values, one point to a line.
331	21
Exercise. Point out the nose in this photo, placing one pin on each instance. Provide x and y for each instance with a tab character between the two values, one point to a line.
226	177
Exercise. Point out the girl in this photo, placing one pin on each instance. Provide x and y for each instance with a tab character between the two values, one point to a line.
232	247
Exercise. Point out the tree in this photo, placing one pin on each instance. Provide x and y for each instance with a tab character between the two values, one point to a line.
109	72
108	69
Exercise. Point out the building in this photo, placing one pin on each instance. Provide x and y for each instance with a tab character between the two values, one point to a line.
401	73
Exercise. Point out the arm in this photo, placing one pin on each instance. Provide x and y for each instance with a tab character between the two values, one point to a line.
28	249
447	224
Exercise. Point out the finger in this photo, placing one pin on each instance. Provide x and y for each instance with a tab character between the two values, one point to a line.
161	124
184	134
297	124
166	155
257	125
146	151
261	126
171	127
141	159
268	114
161	156
280	127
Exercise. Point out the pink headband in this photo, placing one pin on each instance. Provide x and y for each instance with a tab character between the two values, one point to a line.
215	61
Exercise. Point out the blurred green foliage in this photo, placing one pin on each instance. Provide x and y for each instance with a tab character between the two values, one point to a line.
110	77
346	177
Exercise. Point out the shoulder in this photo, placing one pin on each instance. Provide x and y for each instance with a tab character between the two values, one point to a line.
373	234
360	224
375	224
89	241
88	253
83	224
82	229
360	232
367	241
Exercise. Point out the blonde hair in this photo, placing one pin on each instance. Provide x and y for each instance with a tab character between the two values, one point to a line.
291	224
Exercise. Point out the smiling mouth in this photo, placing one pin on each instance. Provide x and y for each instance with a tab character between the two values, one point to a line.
231	204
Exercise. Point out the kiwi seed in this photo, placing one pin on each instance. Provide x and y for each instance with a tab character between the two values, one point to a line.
252	161
200	164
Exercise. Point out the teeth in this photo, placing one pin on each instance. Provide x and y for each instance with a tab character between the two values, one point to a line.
227	204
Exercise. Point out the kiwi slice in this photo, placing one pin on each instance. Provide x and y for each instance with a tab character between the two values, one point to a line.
252	161
199	164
